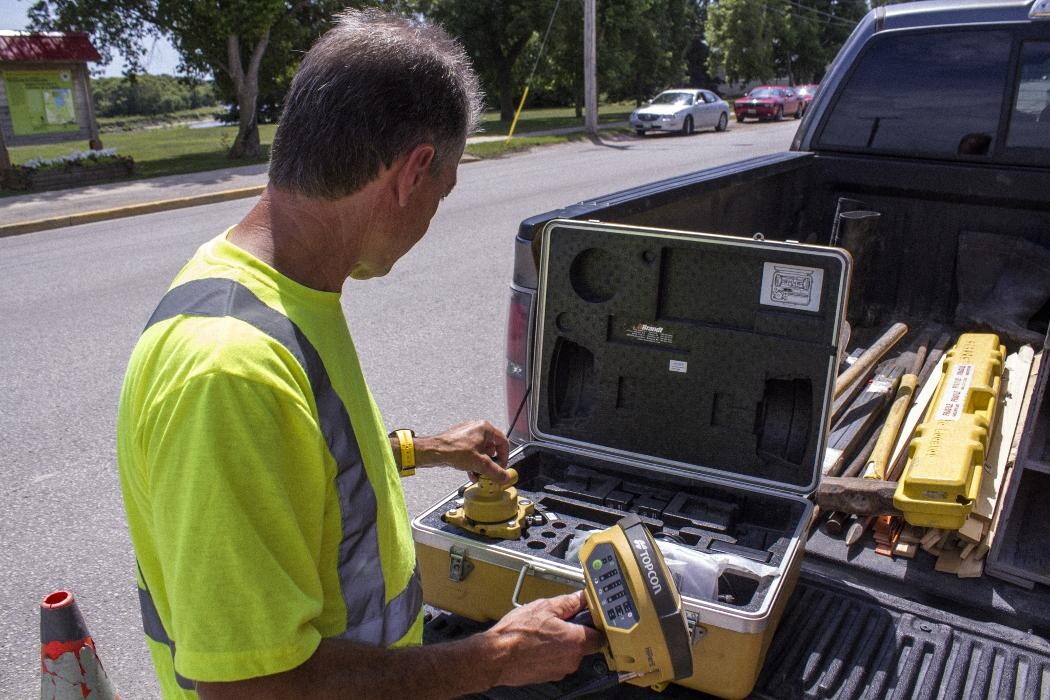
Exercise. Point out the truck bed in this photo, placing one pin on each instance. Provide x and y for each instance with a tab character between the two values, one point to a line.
794	196
957	237
841	639
861	625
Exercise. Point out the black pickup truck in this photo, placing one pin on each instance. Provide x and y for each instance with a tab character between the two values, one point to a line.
936	115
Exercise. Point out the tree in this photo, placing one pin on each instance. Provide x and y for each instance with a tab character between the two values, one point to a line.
696	55
763	39
740	34
495	34
643	47
560	72
149	94
230	39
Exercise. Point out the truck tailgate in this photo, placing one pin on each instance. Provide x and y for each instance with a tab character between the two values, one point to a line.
844	641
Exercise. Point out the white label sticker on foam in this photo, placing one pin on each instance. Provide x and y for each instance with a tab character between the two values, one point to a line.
955	392
678	366
791	286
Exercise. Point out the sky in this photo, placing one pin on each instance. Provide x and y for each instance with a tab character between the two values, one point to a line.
161	57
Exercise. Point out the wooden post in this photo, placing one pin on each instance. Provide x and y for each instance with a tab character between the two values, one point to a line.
94	140
5	158
590	63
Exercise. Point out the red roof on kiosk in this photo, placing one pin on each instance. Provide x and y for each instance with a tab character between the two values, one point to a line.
47	46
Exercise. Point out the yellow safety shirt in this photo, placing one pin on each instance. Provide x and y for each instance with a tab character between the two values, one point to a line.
262	497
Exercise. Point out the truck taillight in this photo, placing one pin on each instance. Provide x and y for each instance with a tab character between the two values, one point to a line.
517	363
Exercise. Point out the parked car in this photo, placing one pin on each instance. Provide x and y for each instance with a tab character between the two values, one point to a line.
807	92
683	110
769	102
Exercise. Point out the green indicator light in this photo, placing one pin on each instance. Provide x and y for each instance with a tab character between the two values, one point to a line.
596	564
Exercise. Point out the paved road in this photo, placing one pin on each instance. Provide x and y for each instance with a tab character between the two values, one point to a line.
34	206
430	335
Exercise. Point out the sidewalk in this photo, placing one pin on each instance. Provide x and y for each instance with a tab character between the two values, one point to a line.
46	210
113	197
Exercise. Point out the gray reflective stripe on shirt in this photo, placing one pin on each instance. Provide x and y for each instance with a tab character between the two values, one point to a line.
369	620
155	630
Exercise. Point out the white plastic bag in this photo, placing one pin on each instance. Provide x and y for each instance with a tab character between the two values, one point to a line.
695	573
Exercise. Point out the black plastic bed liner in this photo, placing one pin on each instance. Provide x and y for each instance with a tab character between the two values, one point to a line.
842	641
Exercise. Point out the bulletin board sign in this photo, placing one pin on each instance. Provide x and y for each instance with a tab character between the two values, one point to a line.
41	101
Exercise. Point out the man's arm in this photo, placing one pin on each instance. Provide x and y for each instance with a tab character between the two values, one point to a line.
531	644
477	448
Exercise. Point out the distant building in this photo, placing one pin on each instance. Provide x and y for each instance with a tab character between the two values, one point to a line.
45	90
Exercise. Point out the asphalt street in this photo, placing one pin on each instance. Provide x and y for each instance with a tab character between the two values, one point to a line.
430	336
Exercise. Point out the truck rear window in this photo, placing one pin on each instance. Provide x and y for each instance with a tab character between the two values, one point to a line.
1030	119
936	94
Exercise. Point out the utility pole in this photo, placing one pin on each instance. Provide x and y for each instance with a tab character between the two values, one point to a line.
590	63
5	159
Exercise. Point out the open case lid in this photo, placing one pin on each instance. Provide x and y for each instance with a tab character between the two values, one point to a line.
703	353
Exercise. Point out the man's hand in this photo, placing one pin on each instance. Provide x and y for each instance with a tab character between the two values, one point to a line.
478	448
531	644
535	644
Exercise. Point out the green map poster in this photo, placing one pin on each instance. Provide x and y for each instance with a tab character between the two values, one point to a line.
41	101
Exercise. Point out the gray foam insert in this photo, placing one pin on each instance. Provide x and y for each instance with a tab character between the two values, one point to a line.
581	494
665	347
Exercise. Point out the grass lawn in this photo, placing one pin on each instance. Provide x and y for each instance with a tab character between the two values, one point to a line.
179	149
552	118
494	149
162	151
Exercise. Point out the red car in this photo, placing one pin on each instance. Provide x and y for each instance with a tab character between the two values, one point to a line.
769	102
807	92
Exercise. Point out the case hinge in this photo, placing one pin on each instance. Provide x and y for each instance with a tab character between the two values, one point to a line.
696	630
459	567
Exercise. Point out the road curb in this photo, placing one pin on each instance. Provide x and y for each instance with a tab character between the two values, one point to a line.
129	210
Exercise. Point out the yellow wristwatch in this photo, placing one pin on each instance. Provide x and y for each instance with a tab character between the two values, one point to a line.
407	463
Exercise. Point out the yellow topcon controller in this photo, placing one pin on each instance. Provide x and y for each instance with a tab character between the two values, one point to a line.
634	601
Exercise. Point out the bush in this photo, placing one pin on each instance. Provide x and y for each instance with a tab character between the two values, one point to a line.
149	95
81	158
73	169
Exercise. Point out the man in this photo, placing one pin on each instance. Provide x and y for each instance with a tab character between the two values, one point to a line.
1044	116
262	491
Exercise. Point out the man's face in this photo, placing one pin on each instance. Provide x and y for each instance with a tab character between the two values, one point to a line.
438	183
411	222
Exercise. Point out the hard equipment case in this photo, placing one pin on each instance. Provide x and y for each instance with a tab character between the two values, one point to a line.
686	378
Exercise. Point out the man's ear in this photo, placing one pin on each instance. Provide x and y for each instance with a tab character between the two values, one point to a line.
414	167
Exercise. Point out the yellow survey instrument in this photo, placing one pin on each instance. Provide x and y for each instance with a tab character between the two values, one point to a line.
635	602
492	509
942	477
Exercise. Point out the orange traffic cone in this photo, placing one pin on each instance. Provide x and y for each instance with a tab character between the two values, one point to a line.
69	666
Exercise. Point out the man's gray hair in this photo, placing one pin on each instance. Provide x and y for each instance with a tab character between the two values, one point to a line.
370	90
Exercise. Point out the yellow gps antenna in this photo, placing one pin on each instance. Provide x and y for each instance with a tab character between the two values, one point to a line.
492	509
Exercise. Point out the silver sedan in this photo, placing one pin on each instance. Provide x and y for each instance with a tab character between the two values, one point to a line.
683	110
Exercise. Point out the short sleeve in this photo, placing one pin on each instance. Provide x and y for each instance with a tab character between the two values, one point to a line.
237	488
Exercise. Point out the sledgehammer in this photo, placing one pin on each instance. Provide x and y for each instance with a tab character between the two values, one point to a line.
857	495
